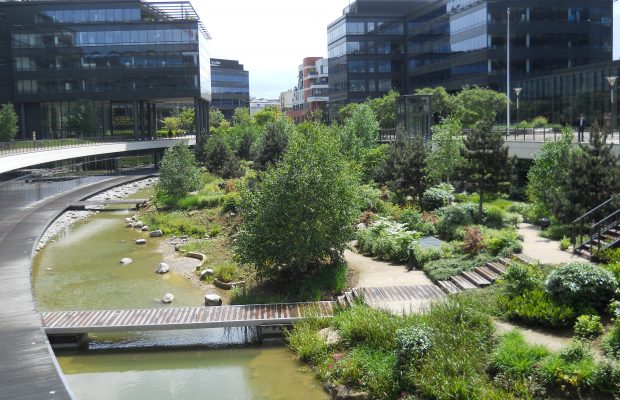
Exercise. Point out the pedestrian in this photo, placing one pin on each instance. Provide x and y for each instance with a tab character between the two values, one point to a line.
581	124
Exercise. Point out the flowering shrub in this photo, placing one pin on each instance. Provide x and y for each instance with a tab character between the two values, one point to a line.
581	285
412	343
436	197
387	240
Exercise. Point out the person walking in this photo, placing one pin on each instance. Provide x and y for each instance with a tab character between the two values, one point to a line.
581	124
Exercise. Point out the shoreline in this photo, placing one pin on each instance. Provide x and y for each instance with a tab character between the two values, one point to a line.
69	218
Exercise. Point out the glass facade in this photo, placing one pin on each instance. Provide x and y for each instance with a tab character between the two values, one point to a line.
80	16
230	85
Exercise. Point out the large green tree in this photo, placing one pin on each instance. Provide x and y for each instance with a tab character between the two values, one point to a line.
444	159
443	104
82	117
385	109
302	212
8	122
360	132
480	104
178	173
273	143
405	165
487	169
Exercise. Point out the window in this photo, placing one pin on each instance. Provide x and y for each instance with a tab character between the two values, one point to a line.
384	85
357	67
27	86
357	85
385	66
355	28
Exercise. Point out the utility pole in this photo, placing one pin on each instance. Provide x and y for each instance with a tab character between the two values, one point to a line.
507	71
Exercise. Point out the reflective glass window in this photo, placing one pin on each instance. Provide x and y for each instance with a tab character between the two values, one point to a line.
168	35
135	36
357	85
144	37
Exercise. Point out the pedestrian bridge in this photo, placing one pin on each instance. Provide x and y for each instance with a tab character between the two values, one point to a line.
36	153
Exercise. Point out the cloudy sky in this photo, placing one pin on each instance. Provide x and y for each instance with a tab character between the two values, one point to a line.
269	37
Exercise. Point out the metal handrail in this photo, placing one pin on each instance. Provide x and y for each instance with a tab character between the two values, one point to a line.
596	208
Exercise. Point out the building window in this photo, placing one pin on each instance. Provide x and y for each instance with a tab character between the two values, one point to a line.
357	85
27	86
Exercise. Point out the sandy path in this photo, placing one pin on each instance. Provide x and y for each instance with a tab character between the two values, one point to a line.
547	251
373	273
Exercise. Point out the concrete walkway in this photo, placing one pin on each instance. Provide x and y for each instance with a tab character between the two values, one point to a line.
373	273
546	251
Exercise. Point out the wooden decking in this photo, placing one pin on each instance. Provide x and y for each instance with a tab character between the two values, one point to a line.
181	318
81	205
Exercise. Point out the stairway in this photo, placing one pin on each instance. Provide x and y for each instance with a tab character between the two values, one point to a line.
598	229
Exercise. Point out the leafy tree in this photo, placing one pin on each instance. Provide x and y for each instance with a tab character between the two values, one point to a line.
246	144
178	173
241	116
216	153
82	118
267	115
346	112
385	109
549	172
480	104
217	119
8	122
187	119
302	212
171	124
591	179
487	169
372	163
444	159
405	165
274	142
443	104
360	132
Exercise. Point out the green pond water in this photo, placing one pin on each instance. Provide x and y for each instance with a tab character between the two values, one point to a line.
81	270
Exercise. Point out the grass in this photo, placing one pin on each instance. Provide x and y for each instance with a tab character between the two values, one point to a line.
515	357
361	325
175	223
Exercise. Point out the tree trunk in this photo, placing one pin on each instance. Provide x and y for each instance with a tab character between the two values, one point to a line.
480	212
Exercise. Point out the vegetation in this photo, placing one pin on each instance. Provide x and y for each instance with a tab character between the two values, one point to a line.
360	132
405	163
179	174
8	122
445	159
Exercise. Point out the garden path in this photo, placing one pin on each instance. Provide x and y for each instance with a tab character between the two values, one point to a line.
552	341
374	273
546	251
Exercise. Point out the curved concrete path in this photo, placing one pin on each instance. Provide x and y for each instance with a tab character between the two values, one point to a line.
28	368
546	251
374	273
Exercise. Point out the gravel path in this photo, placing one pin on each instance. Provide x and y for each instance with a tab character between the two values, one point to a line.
546	251
373	273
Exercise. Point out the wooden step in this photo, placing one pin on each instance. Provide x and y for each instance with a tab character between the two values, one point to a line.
475	278
461	282
449	287
487	273
341	301
497	267
525	259
505	261
350	298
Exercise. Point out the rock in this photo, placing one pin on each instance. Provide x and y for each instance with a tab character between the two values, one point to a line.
140	241
193	193
213	300
177	247
49	269
145	228
168	298
162	268
360	226
184	237
206	273
128	220
330	336
342	392
139	224
156	233
129	225
126	261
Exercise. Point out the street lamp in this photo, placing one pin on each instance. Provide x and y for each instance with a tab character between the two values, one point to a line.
518	91
507	71
612	83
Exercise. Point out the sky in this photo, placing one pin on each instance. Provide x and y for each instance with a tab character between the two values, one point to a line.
269	37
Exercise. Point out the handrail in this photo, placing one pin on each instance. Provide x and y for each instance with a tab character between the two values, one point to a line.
604	220
596	208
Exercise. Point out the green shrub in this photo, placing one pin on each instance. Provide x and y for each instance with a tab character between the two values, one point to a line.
520	278
564	243
581	285
607	378
305	340
536	307
494	217
389	210
609	256
369	198
588	327
412	343
226	272
454	216
515	357
215	230
472	240
502	242
611	343
386	240
444	268
423	255
330	279
556	231
231	202
414	221
361	325
371	369
437	197
572	369
175	223
540	122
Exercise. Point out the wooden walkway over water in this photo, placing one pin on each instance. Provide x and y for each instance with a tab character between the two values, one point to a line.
82	205
77	322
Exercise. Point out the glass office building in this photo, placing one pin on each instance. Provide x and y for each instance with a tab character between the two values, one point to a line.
101	68
230	85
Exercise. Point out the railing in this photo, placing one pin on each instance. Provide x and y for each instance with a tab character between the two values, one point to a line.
601	227
607	216
27	146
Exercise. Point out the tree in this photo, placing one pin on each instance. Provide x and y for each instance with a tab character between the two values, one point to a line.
267	115
487	169
549	172
302	212
171	124
178	173
187	119
220	160
217	119
82	118
444	159
8	122
346	112
480	104
241	116
385	109
591	179
405	165
360	131
274	142
443	104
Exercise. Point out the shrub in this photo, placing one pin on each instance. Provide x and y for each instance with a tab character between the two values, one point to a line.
494	217
215	230
581	285
572	369
175	223
472	240
178	173
415	221
423	255
502	242
520	278
540	122
536	307
515	357
611	343
231	202
369	198
610	256
200	201
412	343
305	340
371	369
564	243
606	378
386	240
444	268
614	268
556	231
454	216
226	272
361	325
588	327
437	197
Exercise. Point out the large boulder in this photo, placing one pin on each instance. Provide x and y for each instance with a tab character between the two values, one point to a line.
213	300
168	297
145	228
126	261
140	241
206	273
162	268
156	233
138	224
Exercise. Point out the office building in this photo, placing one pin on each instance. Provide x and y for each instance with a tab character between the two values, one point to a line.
230	85
312	91
99	68
258	104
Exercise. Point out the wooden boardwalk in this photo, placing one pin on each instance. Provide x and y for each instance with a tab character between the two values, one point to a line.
400	299
75	322
81	205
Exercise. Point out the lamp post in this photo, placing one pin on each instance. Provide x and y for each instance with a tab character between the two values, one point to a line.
507	71
518	91
612	84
